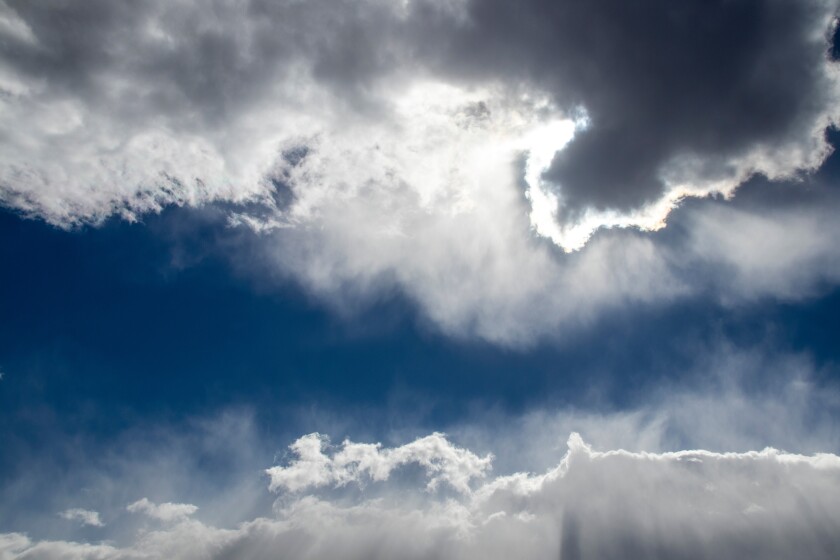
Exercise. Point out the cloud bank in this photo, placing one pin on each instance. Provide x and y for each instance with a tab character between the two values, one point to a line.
667	477
613	504
127	108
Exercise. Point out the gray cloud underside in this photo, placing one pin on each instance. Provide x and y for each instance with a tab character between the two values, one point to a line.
377	143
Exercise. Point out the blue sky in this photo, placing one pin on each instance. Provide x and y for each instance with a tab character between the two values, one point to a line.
452	279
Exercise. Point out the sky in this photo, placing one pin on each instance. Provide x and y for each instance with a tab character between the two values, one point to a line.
417	279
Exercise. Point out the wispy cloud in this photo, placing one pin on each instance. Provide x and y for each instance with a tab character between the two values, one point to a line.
84	516
163	512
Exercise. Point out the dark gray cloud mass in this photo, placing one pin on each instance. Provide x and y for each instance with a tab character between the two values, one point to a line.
122	108
659	80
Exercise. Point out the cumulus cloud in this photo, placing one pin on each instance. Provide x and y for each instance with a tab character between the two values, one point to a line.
163	512
443	147
354	462
84	516
604	504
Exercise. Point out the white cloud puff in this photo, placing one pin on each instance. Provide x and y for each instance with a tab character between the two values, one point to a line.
163	512
354	462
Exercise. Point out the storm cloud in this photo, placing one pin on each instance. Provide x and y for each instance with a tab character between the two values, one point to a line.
432	145
664	84
692	98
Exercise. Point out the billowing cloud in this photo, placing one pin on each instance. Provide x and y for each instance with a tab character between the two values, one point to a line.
613	504
126	108
453	149
671	476
83	516
355	462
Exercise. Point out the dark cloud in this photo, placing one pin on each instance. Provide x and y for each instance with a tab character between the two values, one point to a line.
659	80
358	133
205	59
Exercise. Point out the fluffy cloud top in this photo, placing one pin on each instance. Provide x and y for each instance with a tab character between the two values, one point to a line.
442	462
614	504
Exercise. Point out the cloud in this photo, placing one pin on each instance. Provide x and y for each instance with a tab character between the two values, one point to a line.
18	545
84	516
166	512
669	475
728	399
673	112
354	462
445	148
123	109
783	253
604	504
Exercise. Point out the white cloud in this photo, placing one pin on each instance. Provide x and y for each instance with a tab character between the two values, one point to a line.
86	517
671	476
604	504
163	512
356	462
154	116
787	254
18	546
